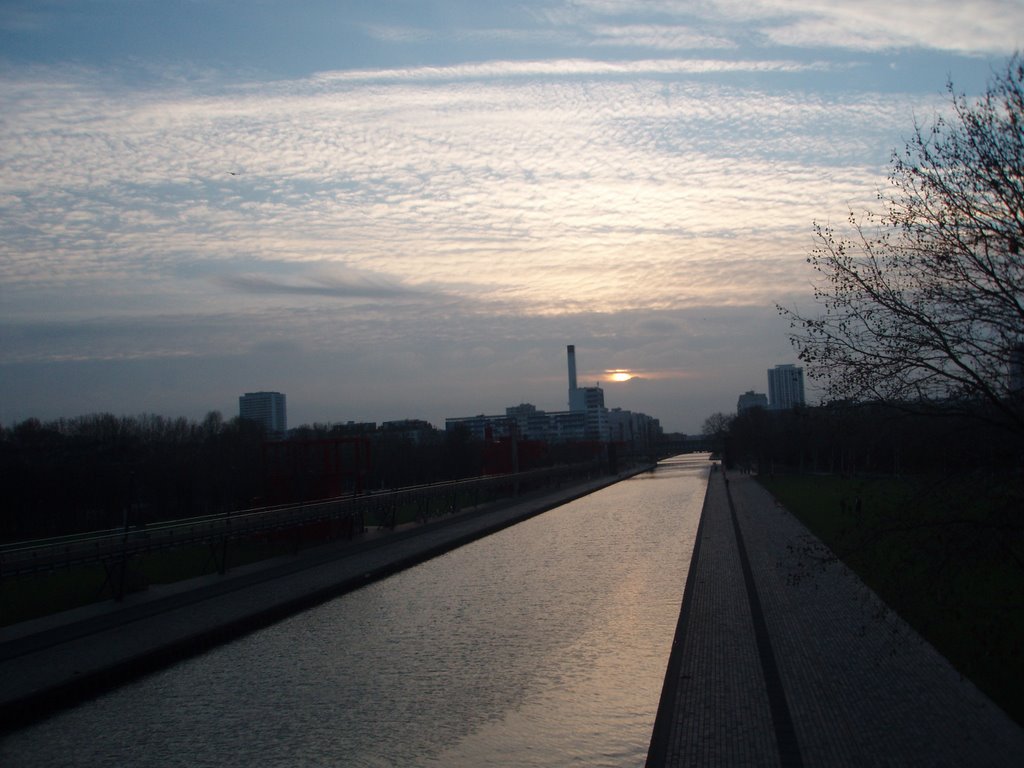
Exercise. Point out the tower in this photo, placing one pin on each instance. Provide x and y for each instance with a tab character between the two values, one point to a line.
570	352
588	400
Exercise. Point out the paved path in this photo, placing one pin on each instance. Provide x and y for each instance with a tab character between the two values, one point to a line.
781	660
58	660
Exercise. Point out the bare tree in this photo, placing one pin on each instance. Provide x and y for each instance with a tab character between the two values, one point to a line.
924	303
715	429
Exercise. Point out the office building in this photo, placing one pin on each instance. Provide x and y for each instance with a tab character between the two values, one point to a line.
266	408
751	399
635	430
785	387
531	424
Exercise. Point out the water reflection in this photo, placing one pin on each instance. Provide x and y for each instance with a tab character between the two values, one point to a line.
541	645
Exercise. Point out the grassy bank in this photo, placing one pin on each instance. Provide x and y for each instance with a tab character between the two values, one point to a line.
946	553
27	597
23	598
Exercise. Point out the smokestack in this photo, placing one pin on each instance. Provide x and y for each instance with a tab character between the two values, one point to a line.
571	352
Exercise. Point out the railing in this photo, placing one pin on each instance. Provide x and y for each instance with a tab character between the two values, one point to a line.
419	503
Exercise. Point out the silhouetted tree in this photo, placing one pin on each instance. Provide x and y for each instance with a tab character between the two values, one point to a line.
715	428
924	303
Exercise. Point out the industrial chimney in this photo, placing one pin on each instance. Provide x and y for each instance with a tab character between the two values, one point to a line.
573	389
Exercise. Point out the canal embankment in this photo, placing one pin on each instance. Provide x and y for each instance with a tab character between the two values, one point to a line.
56	661
783	656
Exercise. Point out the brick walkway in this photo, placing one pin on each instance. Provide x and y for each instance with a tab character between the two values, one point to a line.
814	670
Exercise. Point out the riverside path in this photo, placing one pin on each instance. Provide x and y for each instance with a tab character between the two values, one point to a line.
783	658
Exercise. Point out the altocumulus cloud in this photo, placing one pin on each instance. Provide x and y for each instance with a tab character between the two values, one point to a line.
323	283
518	190
974	26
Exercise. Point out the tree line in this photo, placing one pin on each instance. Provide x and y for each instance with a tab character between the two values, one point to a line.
102	471
880	438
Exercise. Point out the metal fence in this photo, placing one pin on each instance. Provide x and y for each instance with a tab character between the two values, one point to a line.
353	514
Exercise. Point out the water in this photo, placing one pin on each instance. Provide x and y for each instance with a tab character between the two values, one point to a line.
543	645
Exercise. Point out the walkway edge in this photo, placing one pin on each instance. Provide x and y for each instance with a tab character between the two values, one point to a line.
657	753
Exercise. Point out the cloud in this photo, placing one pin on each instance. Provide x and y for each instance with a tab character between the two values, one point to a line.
657	37
322	283
565	68
980	26
397	34
550	194
974	27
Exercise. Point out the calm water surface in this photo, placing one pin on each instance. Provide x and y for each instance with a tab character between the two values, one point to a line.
542	645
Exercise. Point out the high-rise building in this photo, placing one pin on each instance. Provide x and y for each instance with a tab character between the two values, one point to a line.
751	399
267	408
785	387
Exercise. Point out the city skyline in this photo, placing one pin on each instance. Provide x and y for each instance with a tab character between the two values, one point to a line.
407	210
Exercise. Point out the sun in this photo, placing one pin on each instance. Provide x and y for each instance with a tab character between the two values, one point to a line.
620	375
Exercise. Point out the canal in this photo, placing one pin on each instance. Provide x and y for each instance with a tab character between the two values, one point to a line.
542	645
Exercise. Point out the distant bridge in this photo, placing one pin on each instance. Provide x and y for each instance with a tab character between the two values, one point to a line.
696	444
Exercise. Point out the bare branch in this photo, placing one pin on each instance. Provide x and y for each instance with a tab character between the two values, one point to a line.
924	303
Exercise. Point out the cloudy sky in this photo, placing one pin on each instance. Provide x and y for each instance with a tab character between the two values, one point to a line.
407	209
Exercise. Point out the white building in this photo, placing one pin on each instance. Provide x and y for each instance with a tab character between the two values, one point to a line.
529	423
785	387
266	408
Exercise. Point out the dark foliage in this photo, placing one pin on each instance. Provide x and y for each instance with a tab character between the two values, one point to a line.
102	471
869	438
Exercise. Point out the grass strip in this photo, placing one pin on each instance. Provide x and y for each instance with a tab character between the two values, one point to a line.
945	553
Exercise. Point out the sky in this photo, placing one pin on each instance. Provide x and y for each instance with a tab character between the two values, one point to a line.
393	210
